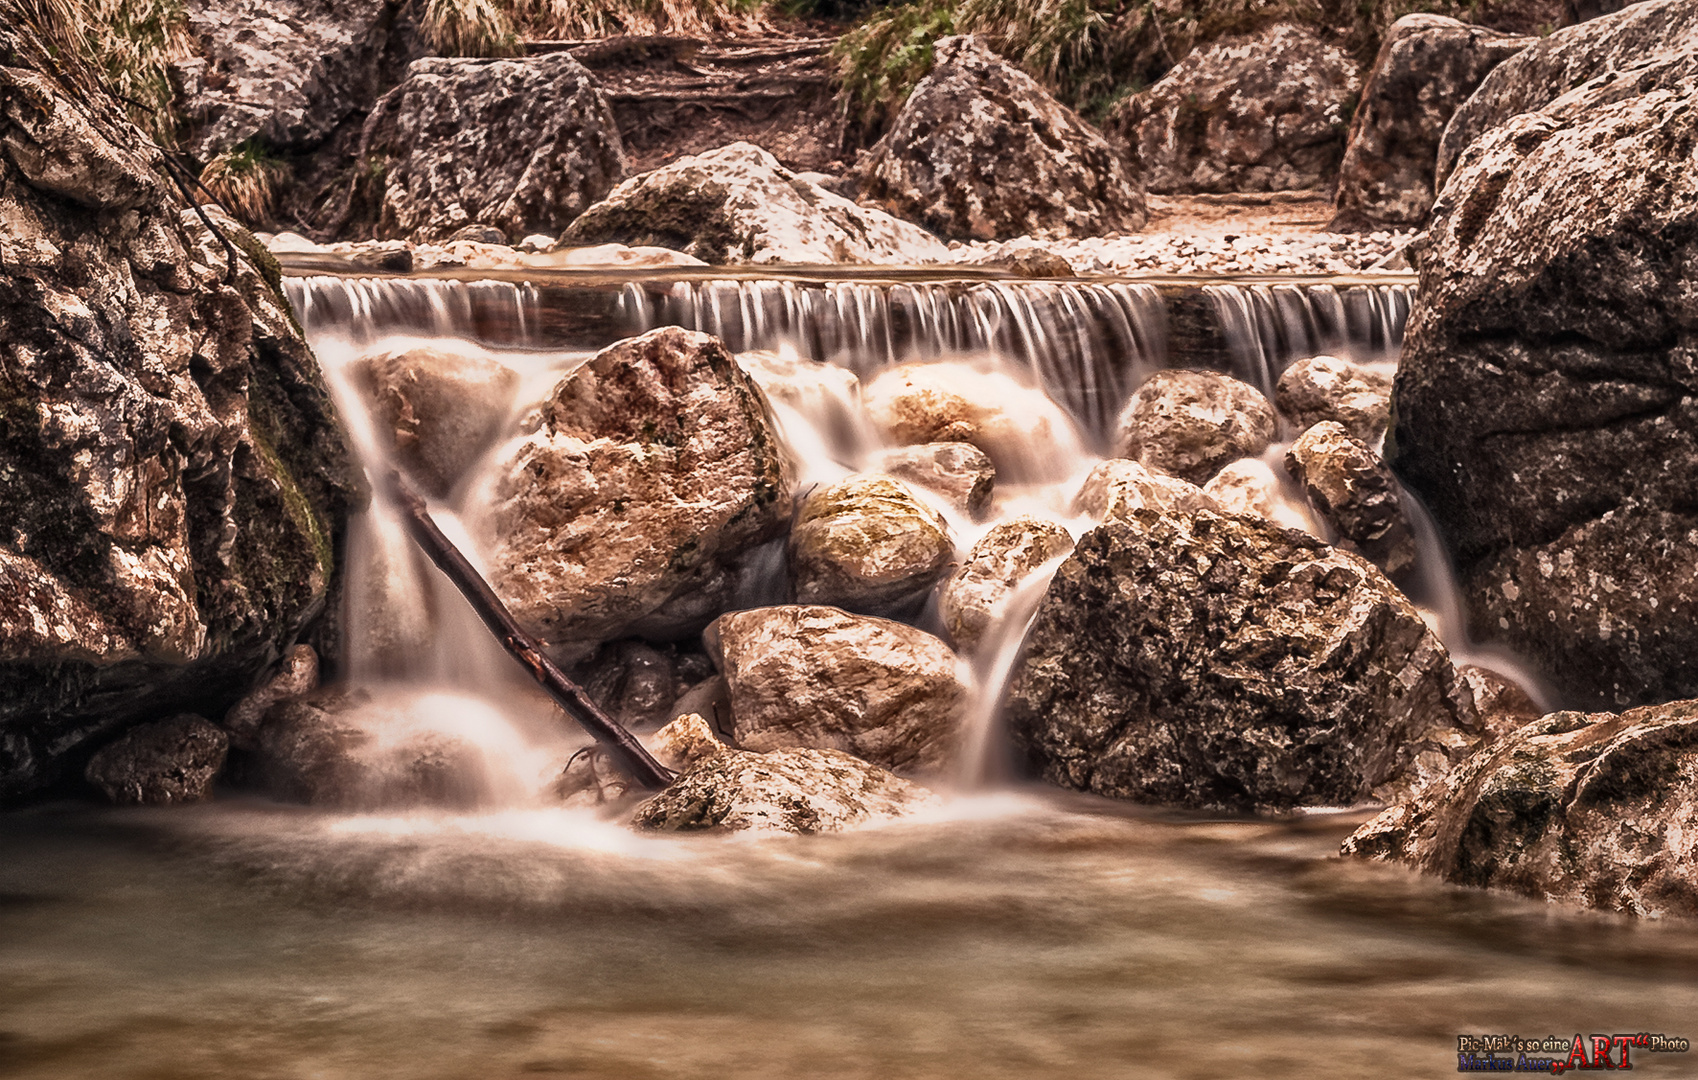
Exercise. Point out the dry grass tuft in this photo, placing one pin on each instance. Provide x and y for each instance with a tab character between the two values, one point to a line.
577	19
246	182
469	28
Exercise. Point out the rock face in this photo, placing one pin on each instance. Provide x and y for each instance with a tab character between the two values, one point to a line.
1326	388
867	544
821	678
1547	398
649	473
977	594
1117	487
1223	662
522	145
1352	489
956	470
173	477
981	152
160	764
1427	67
1600	810
1257	112
1639	42
737	204
799	791
1190	423
436	411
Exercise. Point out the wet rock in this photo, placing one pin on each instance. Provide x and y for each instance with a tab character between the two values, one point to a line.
958	471
1264	111
160	764
1547	397
173	477
1599	810
737	204
1646	43
448	148
977	593
1502	704
1026	435
637	682
867	544
617	255
1428	66
648	474
435	410
296	677
980	151
1116	487
798	791
1215	661
1245	487
822	678
1326	388
479	234
1354	491
1191	423
710	698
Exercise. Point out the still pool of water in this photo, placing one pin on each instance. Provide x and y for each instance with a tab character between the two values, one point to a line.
1010	935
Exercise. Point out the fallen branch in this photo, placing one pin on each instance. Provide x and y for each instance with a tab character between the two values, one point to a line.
635	760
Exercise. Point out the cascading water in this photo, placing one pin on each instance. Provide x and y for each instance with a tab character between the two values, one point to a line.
1269	326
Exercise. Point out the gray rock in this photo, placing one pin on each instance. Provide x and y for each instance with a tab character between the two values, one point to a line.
160	764
650	472
737	204
451	147
977	593
1547	397
435	410
1428	66
1214	661
1354	491
173	476
1599	810
868	544
1265	111
956	470
1190	423
1635	44
980	151
822	678
1326	388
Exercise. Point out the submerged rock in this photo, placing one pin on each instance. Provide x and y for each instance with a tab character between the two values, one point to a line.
1428	66
827	395
1600	810
956	470
822	678
650	472
436	411
1326	388
1354	491
867	544
977	593
1212	661
1116	487
160	764
1547	397
450	147
1023	432
737	204
980	151
1191	423
174	480
1256	112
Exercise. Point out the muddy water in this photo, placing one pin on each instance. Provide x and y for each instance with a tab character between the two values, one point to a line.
1017	935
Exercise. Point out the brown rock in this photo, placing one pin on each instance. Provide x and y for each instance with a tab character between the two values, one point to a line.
1116	487
436	411
956	470
1354	491
977	594
296	677
1190	423
1024	433
160	764
1503	706
1326	388
867	544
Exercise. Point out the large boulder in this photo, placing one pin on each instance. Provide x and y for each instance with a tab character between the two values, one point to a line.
649	472
165	763
977	594
822	678
1190	423
1257	112
1547	398
435	410
1427	67
1213	661
980	151
1600	810
737	204
1636	43
868	544
1321	388
173	476
1355	492
522	145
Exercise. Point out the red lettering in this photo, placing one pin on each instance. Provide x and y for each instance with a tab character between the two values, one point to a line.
1601	1052
1625	1041
1577	1050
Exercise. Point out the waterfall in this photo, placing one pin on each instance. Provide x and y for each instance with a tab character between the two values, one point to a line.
1269	326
